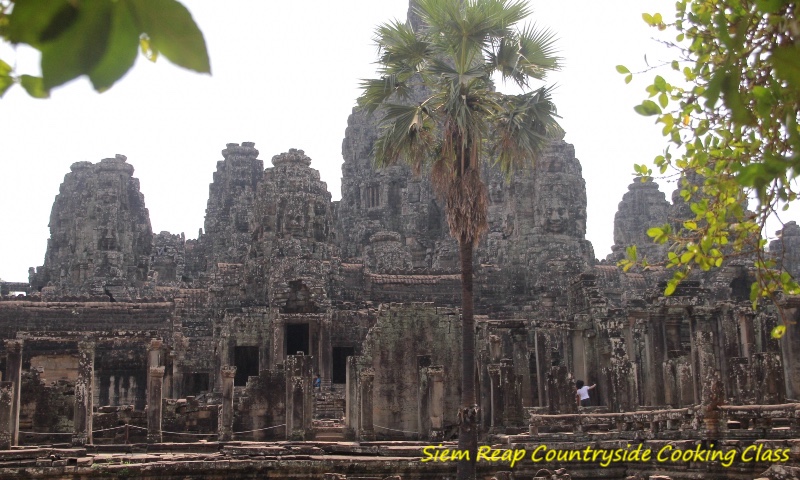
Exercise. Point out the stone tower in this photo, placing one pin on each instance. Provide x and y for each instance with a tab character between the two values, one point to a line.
231	196
100	235
292	243
643	206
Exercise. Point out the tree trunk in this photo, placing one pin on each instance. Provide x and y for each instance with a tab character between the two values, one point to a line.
468	413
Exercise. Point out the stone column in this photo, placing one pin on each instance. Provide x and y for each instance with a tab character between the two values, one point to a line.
436	400
366	431
6	402
561	390
84	395
351	401
656	355
423	402
522	365
299	400
14	375
325	353
278	340
706	364
225	429
495	400
154	353
155	386
767	370
177	376
510	384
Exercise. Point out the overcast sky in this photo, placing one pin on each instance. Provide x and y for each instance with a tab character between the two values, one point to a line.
285	75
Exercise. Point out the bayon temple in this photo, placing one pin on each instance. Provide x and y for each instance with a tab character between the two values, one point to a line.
207	348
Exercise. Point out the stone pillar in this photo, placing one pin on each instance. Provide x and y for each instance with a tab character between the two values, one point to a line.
177	376
225	427
790	352
366	431
278	340
299	398
84	395
495	399
706	364
6	402
655	356
522	366
767	371
622	378
672	332
423	400
155	387
14	375
351	401
325	368
154	353
561	390
510	384
433	406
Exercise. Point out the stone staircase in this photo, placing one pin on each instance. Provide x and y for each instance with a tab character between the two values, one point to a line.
329	414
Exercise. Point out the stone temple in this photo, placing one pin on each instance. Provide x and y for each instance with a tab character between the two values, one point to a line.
155	355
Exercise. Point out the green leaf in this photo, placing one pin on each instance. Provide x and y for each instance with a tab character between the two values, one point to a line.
30	18
120	53
714	88
5	83
787	67
647	108
34	86
660	83
79	48
622	69
173	33
778	332
628	78
655	232
648	19
6	80
663	100
671	286
769	6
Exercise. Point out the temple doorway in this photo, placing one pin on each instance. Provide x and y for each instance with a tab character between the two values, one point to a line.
246	361
297	338
339	366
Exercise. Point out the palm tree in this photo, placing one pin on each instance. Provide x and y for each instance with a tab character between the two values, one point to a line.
440	112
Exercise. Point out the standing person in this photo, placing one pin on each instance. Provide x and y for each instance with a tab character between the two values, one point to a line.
582	395
317	382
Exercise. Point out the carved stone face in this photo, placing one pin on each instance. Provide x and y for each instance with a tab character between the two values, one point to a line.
556	218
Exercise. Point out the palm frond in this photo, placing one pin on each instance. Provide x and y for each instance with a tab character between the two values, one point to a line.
408	134
402	52
523	127
537	52
524	55
378	91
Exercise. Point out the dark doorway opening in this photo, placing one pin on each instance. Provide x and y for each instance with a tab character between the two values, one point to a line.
195	383
297	338
339	370
246	362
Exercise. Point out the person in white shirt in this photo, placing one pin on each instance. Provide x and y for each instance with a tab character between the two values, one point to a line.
582	395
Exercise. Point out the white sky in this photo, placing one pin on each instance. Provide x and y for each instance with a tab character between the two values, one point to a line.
285	75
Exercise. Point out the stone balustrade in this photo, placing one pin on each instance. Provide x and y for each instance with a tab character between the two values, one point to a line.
761	420
739	421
